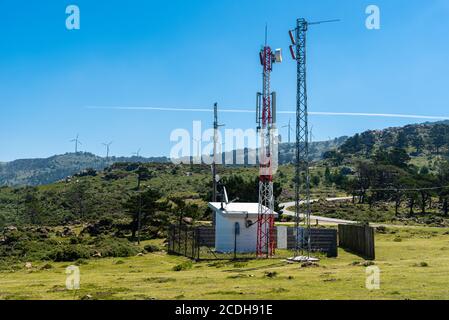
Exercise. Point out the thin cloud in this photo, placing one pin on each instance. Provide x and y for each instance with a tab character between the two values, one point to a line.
313	113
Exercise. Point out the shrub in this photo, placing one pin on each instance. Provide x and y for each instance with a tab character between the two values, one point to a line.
424	264
271	274
75	240
47	266
115	247
69	253
152	248
80	262
240	264
381	229
183	266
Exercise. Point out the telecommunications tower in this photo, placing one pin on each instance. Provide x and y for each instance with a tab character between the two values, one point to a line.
266	121
302	188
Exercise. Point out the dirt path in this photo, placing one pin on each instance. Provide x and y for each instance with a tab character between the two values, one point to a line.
317	218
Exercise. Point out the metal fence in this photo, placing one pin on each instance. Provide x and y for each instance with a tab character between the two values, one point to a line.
321	240
358	239
198	243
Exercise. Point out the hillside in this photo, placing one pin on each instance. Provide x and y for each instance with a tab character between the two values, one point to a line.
36	172
417	139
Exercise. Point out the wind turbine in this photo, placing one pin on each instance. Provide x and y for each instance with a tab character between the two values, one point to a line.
311	135
198	150
137	154
107	145
77	142
289	129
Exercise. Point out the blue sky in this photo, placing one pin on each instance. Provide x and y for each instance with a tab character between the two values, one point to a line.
193	53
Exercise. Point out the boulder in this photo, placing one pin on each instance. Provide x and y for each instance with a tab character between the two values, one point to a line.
187	220
10	229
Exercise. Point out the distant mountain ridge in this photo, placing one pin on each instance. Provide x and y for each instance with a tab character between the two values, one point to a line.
34	172
428	138
48	170
417	139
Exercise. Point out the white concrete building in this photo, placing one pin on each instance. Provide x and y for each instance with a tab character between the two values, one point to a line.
240	216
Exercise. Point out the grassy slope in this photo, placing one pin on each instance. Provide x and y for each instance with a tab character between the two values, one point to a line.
106	196
151	276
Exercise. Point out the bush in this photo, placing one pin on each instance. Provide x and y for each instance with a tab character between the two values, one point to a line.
240	264
75	240
381	229
115	247
69	253
152	248
183	266
272	274
81	262
424	264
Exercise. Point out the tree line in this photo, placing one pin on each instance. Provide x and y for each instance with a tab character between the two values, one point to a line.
387	176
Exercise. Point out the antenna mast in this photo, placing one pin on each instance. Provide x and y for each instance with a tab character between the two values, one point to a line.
302	132
266	120
214	161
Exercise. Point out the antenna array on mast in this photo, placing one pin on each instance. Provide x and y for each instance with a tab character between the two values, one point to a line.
266	121
214	161
298	38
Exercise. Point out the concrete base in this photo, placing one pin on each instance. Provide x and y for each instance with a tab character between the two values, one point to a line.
301	259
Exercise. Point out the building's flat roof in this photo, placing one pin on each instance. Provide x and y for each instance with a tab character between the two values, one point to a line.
236	208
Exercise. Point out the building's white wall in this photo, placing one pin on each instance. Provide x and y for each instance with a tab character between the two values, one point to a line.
224	234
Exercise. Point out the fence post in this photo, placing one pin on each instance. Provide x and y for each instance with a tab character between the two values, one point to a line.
193	243
198	244
170	239
185	242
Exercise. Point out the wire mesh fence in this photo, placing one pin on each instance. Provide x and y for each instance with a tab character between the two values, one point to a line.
198	243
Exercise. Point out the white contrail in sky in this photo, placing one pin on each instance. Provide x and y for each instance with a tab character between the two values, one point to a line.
313	113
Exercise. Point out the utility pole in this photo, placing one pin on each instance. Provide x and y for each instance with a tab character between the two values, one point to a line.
139	218
302	132
214	161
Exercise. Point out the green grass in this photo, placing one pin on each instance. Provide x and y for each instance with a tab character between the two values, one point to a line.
414	268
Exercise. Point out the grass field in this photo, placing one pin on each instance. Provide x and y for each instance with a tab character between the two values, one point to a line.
414	264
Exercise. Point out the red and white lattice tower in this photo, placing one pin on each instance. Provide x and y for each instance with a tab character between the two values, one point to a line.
266	119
